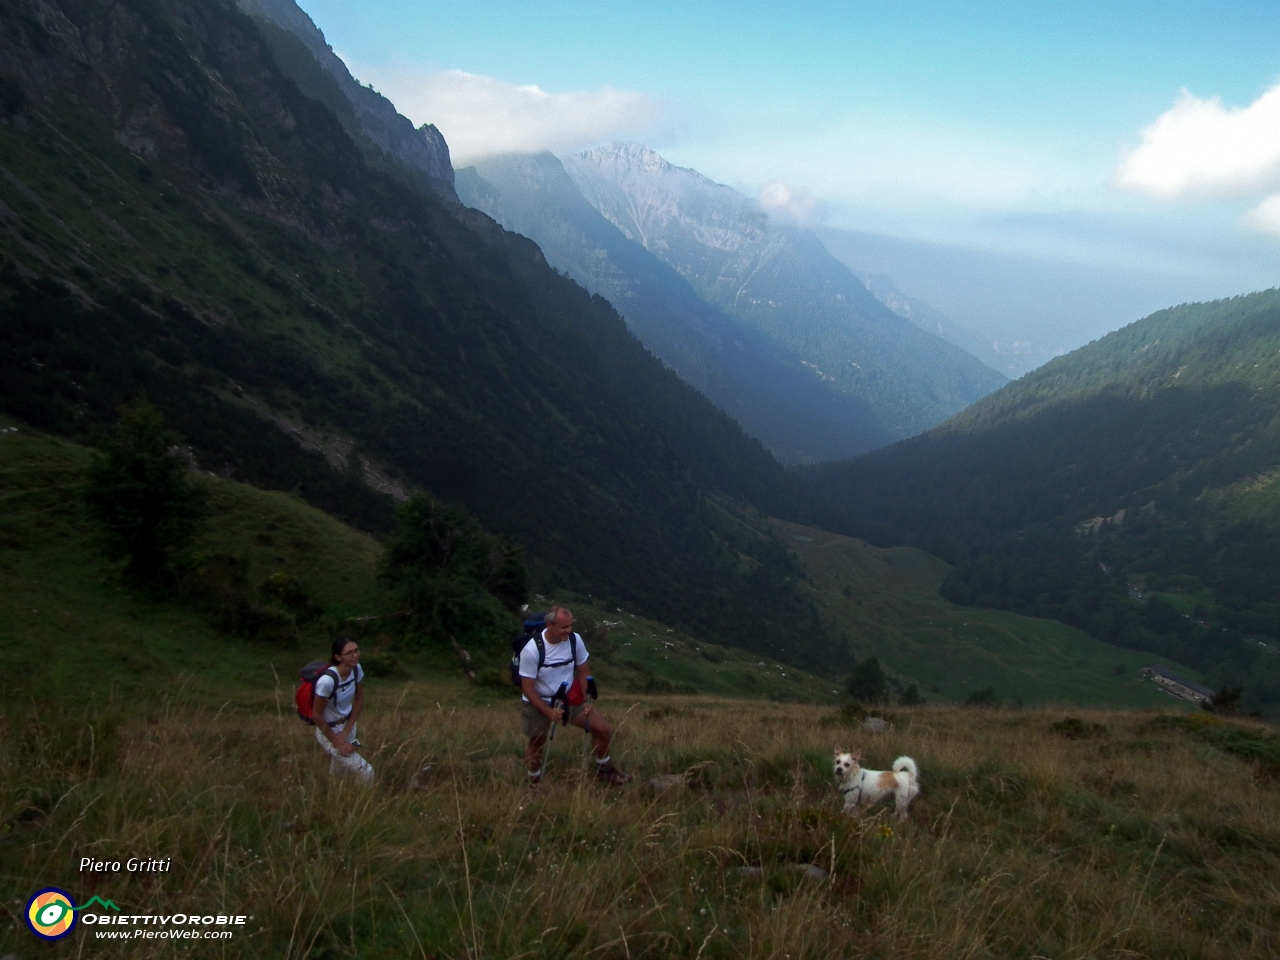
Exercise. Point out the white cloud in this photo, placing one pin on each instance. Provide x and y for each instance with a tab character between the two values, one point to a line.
1200	147
792	205
480	116
1266	215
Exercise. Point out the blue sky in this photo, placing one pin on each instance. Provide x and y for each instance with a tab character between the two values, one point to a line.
1073	132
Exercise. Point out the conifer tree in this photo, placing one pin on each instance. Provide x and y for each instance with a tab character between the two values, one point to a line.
142	496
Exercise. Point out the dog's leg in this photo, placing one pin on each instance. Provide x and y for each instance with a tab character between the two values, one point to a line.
904	796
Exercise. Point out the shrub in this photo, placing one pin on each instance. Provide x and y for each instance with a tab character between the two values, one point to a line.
141	495
986	697
867	682
1073	728
458	581
383	665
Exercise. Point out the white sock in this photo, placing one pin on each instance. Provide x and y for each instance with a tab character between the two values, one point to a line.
601	763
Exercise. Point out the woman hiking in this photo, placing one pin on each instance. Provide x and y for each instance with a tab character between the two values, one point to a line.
337	708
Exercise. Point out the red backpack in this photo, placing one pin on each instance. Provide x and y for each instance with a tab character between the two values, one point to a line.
305	696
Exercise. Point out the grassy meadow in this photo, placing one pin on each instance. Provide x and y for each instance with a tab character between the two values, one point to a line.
887	602
137	726
1110	834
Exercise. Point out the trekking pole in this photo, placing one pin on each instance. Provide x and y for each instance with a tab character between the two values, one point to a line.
558	698
593	695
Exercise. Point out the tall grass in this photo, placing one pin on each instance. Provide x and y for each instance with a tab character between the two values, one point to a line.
1137	839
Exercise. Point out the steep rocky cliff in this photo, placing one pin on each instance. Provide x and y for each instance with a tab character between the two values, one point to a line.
421	149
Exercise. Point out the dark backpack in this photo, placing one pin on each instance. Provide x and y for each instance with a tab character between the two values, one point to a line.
304	698
533	631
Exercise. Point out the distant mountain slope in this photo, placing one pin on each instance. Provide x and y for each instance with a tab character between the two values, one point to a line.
926	317
782	281
887	601
1148	461
1026	309
765	387
365	111
177	218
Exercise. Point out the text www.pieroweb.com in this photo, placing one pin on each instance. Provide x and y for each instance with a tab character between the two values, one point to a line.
140	934
177	926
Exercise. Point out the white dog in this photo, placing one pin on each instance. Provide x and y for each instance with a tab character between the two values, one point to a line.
861	788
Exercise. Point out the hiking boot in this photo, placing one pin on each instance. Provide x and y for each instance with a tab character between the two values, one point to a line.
608	773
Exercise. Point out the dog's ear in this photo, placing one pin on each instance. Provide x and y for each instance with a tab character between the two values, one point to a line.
857	756
837	750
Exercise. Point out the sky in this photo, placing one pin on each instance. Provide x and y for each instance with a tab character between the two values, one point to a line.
1138	137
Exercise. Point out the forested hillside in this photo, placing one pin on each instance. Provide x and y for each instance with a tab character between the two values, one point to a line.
1128	488
178	219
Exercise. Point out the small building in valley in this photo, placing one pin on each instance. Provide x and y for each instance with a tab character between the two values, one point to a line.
1176	686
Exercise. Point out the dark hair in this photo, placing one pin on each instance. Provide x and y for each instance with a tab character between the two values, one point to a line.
336	651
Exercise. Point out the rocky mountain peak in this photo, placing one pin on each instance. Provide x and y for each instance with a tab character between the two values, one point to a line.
657	203
630	155
423	149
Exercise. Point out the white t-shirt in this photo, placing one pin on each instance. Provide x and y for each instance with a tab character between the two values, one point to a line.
557	665
340	705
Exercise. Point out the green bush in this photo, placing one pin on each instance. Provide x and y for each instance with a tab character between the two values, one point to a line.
986	697
383	665
867	682
140	494
1073	728
457	581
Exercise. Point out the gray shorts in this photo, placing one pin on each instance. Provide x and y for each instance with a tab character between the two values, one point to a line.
534	723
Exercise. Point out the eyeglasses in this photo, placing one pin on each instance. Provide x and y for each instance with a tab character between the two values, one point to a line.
350	653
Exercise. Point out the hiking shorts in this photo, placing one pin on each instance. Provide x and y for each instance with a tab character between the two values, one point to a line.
534	723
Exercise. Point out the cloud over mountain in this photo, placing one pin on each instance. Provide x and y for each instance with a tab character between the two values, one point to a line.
794	206
481	116
1201	148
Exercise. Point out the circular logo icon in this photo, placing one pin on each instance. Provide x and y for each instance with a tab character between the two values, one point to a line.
51	914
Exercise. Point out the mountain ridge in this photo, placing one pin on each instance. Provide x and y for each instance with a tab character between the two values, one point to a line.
765	387
423	148
782	281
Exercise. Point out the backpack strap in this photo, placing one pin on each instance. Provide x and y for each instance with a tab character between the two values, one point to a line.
332	672
542	650
327	672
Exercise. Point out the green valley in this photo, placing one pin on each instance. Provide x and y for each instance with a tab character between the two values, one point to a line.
1138	467
887	602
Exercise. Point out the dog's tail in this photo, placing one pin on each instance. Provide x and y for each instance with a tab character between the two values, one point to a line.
908	766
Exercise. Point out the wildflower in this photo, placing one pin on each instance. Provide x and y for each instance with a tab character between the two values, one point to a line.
886	831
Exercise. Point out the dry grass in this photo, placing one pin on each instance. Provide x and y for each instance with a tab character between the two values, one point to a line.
1140	841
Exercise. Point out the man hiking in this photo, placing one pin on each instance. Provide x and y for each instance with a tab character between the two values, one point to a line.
562	673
